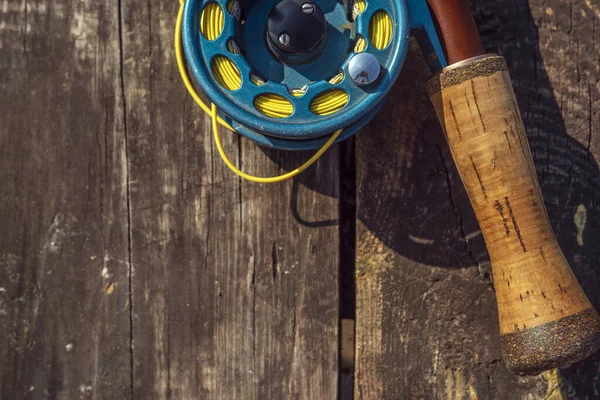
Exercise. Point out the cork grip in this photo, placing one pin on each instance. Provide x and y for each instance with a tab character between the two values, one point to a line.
546	320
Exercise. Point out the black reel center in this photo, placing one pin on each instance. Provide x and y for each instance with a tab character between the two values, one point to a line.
296	28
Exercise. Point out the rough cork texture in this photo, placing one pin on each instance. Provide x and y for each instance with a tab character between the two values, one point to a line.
533	281
455	75
555	344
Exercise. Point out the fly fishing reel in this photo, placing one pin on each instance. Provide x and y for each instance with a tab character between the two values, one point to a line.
289	73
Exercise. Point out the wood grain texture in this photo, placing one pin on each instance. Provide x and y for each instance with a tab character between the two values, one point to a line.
202	326
133	263
235	288
422	267
64	313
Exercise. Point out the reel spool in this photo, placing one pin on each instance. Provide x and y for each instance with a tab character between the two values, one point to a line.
289	73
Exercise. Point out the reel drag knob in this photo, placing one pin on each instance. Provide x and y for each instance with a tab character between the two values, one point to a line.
296	27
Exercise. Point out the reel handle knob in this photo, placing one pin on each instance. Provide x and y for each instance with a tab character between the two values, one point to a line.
546	320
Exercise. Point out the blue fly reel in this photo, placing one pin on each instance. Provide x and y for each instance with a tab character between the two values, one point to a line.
288	73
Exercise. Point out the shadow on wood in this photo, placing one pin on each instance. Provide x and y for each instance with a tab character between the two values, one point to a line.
411	199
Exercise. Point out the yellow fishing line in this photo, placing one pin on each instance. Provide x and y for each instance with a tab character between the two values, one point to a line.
273	105
380	30
211	21
272	179
226	73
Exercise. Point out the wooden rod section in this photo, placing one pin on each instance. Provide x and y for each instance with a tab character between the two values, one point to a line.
458	31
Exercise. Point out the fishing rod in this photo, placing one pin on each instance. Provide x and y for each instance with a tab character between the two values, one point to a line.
305	74
546	320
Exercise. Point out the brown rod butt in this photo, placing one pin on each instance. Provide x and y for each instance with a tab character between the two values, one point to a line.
546	321
556	344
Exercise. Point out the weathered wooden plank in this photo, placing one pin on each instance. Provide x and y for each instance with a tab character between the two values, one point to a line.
64	313
235	292
426	314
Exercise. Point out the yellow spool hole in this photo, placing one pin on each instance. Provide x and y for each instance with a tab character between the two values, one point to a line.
257	80
328	102
273	105
359	7
337	79
230	5
233	48
361	44
226	73
212	21
380	29
297	92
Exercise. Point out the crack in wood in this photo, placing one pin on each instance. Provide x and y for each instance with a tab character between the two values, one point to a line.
456	126
477	106
478	175
515	225
128	196
274	266
498	206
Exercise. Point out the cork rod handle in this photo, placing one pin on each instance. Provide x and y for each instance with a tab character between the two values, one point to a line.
546	320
